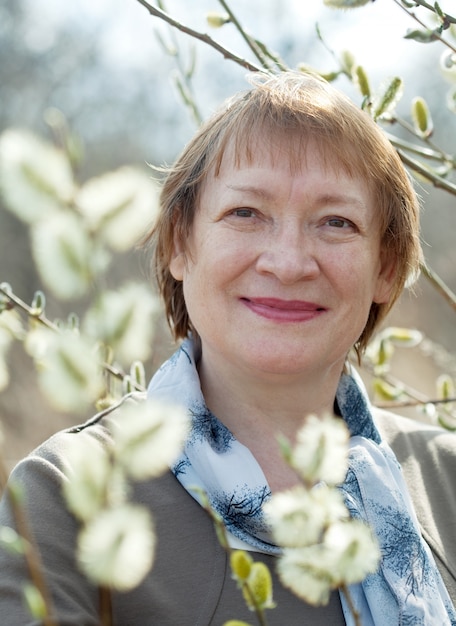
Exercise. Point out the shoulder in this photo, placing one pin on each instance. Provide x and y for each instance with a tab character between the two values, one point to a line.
41	473
97	430
410	438
427	455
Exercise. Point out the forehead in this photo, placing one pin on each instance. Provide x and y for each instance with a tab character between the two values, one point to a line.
285	151
286	148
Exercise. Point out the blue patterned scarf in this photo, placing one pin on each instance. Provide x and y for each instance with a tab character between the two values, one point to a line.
407	589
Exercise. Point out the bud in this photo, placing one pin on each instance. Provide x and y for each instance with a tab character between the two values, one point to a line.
124	319
88	478
38	303
127	385
422	35
34	601
217	20
386	102
258	591
11	541
354	549
148	437
138	374
70	376
116	549
451	100
345	4
116	205
428	410
445	387
386	391
421	116
362	81
298	517
385	352
64	254
321	450
241	565
347	61
406	337
305	571
448	66
73	321
447	421
36	178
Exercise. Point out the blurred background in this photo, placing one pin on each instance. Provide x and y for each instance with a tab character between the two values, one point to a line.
113	71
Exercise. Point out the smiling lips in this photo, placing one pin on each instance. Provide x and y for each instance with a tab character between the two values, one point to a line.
283	310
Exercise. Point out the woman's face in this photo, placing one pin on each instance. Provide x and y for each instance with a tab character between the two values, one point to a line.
282	266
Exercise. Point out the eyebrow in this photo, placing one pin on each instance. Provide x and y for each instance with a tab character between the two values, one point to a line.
251	189
327	198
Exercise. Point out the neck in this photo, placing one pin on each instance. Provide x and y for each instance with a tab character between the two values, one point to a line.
257	409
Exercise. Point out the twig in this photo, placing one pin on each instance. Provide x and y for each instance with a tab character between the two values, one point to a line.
426	152
430	144
42	319
105	603
447	18
249	41
438	283
401	404
437	181
356	616
422	3
227	54
31	554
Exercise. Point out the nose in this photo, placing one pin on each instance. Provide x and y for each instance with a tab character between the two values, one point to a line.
289	254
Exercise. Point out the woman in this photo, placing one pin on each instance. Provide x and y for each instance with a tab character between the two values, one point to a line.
288	229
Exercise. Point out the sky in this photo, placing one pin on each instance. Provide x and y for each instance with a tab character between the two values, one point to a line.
126	33
373	32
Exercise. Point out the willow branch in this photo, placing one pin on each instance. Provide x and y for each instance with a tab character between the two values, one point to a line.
441	287
448	18
42	319
422	3
248	40
31	554
356	616
105	604
411	402
437	181
426	152
227	54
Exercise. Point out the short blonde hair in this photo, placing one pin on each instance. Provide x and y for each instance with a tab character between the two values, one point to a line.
302	107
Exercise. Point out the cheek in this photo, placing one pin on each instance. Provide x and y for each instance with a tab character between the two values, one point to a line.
355	274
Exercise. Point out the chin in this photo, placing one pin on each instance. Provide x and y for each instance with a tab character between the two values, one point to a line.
285	366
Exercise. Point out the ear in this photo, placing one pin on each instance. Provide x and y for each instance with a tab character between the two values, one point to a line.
385	280
177	260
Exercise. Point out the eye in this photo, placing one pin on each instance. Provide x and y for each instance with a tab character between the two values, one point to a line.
244	212
339	222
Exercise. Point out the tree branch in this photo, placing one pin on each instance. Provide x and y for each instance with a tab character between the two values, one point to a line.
248	40
31	554
435	179
227	54
447	18
439	285
42	319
